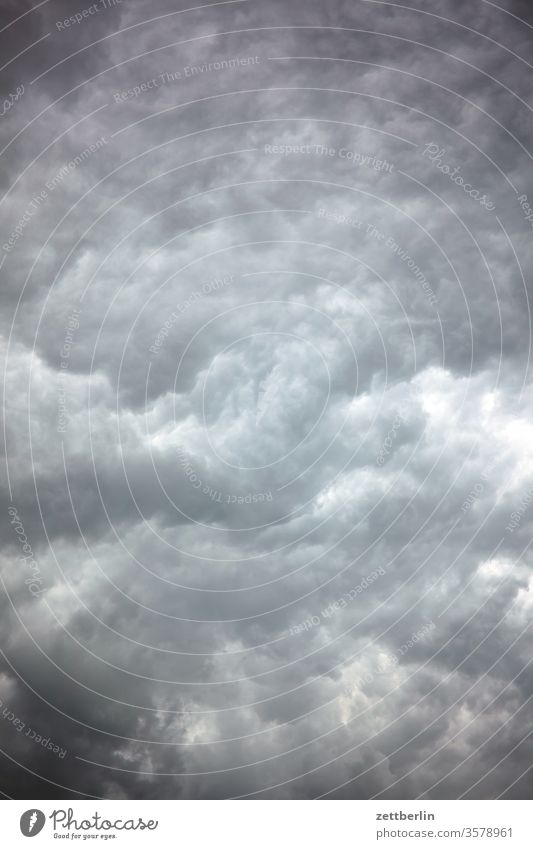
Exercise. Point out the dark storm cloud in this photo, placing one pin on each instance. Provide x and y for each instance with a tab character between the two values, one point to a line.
267	400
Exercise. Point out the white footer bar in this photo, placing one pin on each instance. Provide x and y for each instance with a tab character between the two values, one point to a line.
268	824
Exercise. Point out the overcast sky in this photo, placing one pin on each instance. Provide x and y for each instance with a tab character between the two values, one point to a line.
267	495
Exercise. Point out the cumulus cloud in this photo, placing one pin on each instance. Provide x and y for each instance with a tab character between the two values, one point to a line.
267	441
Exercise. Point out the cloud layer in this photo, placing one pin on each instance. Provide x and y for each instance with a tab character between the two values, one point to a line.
267	413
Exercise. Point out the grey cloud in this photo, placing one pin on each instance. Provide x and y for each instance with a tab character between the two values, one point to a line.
288	426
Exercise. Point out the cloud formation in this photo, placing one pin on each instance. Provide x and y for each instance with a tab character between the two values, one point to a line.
267	400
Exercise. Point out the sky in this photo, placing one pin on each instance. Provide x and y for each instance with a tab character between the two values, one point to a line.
267	472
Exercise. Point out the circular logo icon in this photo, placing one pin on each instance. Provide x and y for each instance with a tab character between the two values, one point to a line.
32	822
